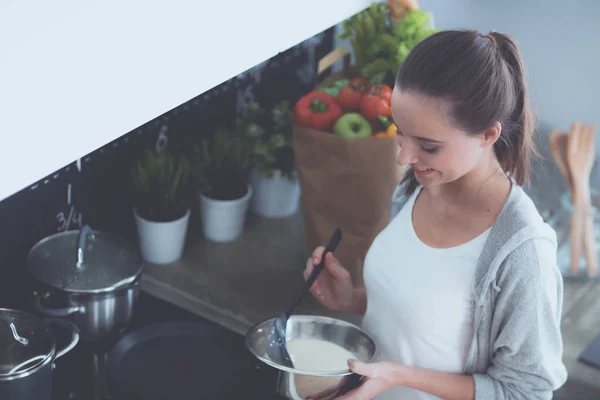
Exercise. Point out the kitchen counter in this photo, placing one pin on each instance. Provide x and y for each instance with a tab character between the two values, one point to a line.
580	325
257	276
240	283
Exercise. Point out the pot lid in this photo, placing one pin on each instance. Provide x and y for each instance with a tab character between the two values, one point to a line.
26	342
85	261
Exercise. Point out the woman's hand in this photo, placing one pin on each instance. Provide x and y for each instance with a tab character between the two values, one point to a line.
333	288
379	377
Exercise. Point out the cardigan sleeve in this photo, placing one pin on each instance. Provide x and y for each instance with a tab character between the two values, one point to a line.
527	350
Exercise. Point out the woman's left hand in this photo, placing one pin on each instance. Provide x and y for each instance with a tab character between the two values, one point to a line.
379	377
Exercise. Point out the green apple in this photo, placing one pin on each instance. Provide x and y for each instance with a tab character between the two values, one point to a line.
352	125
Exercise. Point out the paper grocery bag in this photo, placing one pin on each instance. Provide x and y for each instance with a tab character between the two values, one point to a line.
346	183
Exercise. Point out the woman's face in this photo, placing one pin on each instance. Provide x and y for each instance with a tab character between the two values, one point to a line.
436	150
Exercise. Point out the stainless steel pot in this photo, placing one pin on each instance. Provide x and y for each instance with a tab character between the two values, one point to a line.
88	277
27	353
295	384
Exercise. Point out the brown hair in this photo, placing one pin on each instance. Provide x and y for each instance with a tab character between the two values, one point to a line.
483	79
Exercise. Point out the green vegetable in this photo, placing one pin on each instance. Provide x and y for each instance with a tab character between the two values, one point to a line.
410	30
340	83
329	90
335	88
379	70
363	28
380	44
385	43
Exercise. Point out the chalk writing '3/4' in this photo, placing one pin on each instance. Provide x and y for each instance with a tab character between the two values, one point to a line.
72	219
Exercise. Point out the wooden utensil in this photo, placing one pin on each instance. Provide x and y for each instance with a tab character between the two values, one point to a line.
589	237
576	167
558	147
580	156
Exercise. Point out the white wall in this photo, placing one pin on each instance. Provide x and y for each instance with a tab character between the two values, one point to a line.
75	75
560	42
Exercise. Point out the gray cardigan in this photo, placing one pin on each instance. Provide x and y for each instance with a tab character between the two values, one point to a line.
516	351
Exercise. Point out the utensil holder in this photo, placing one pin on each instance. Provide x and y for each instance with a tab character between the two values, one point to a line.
561	223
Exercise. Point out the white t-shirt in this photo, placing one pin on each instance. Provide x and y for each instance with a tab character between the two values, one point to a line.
418	300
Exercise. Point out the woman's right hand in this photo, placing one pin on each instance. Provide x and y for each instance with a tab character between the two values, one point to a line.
333	287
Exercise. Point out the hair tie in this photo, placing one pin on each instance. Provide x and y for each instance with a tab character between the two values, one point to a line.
491	37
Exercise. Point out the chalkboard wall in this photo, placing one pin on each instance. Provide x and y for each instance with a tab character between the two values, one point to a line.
92	190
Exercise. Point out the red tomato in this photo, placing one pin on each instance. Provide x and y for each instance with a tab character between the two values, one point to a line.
372	105
383	91
350	96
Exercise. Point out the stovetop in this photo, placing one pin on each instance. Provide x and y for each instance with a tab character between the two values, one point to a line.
81	373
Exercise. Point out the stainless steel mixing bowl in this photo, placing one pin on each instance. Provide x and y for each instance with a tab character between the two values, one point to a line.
297	384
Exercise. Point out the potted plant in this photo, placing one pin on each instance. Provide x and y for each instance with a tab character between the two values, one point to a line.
221	169
161	183
273	175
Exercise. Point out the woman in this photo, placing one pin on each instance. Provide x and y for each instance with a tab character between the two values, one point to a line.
462	292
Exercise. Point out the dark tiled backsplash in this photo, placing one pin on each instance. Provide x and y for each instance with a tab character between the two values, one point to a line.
98	189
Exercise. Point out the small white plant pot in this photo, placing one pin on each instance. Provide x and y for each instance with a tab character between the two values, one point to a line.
274	197
223	220
162	242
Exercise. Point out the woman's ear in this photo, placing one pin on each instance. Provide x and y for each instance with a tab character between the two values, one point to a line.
491	134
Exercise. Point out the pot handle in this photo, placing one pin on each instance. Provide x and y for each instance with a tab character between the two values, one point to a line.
83	234
13	330
68	326
54	312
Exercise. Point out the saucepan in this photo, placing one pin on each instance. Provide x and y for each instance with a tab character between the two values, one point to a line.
28	350
299	384
89	277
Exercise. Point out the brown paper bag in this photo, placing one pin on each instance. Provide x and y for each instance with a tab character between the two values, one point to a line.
345	183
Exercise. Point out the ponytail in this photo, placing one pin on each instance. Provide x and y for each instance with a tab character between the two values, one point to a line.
514	151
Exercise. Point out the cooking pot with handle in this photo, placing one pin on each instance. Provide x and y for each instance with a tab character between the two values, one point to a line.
89	277
27	353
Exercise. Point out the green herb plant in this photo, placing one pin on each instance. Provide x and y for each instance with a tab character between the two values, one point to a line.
161	183
221	164
271	133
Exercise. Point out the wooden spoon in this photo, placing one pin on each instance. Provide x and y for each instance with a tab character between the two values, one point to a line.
581	155
589	237
576	167
558	147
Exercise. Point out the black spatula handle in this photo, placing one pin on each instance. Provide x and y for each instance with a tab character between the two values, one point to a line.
329	248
